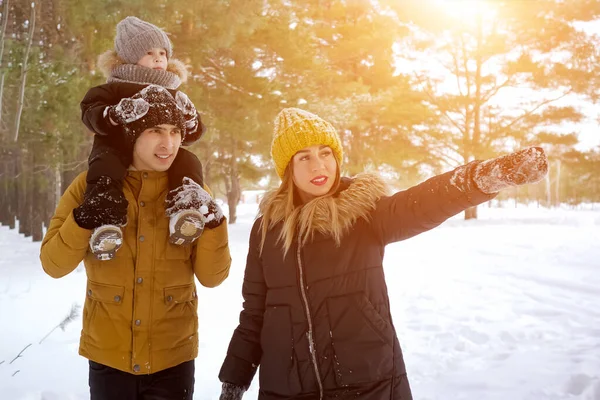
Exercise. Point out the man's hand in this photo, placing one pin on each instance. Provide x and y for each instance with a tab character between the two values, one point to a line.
105	204
191	195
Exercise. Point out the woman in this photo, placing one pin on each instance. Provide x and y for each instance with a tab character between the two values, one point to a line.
316	315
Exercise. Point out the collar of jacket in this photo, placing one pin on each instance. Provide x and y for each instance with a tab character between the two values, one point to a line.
334	215
154	182
116	70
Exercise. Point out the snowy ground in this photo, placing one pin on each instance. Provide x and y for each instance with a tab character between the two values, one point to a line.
503	308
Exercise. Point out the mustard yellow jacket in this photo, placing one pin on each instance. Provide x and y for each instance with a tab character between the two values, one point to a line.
140	312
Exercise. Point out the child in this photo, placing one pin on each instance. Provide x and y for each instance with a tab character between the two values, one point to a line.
316	315
142	57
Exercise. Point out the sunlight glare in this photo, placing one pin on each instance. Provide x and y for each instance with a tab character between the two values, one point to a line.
467	10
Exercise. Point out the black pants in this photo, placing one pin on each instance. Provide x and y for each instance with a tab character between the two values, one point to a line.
111	156
176	383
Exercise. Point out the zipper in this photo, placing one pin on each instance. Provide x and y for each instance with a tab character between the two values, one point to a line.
311	343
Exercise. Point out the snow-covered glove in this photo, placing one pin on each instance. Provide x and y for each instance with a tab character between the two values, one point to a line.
191	195
105	204
193	124
127	111
189	111
520	168
229	391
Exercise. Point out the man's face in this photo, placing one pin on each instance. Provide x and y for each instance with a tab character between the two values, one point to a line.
155	58
156	148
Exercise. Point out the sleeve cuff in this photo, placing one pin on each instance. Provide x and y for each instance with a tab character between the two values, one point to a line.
73	235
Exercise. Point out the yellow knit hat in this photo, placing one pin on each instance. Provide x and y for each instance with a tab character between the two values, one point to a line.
296	129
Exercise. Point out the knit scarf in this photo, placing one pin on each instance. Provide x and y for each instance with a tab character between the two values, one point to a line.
133	73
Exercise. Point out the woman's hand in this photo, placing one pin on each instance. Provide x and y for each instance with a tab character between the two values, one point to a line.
229	391
520	168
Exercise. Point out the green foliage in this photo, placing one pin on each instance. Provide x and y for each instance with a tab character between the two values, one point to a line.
413	87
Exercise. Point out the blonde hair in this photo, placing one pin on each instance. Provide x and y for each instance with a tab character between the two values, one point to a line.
278	205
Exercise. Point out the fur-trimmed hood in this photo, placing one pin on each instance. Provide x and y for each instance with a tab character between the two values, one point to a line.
109	60
329	215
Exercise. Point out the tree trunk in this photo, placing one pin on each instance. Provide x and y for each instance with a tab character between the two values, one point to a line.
37	202
471	213
21	98
557	185
232	202
24	205
548	193
54	198
206	170
233	188
474	144
12	193
5	10
4	192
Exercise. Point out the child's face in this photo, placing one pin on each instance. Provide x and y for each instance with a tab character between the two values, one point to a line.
155	58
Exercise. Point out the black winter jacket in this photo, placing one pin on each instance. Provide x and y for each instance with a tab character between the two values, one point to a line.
318	320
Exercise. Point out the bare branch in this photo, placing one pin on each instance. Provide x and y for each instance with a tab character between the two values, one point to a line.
21	352
37	169
74	313
528	113
465	64
495	90
223	81
443	111
456	73
442	153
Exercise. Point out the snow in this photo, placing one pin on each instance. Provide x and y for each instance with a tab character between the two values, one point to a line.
501	308
130	110
529	165
526	166
190	195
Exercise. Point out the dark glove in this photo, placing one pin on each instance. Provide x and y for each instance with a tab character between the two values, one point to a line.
522	167
127	111
192	118
189	196
105	204
229	391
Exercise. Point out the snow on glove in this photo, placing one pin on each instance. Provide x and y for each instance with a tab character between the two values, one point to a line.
229	391
105	204
191	195
127	110
522	167
189	112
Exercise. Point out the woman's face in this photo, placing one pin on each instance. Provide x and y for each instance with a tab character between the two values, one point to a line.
314	171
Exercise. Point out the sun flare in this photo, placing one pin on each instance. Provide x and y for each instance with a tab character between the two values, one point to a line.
468	9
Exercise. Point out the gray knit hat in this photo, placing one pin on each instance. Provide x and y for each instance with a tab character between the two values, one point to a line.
135	37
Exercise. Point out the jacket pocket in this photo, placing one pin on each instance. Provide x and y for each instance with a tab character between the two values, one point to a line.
278	371
178	296
178	324
362	340
101	300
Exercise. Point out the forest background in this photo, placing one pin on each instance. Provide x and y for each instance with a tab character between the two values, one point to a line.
414	87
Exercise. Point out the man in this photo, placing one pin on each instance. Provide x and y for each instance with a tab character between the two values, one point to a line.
140	322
